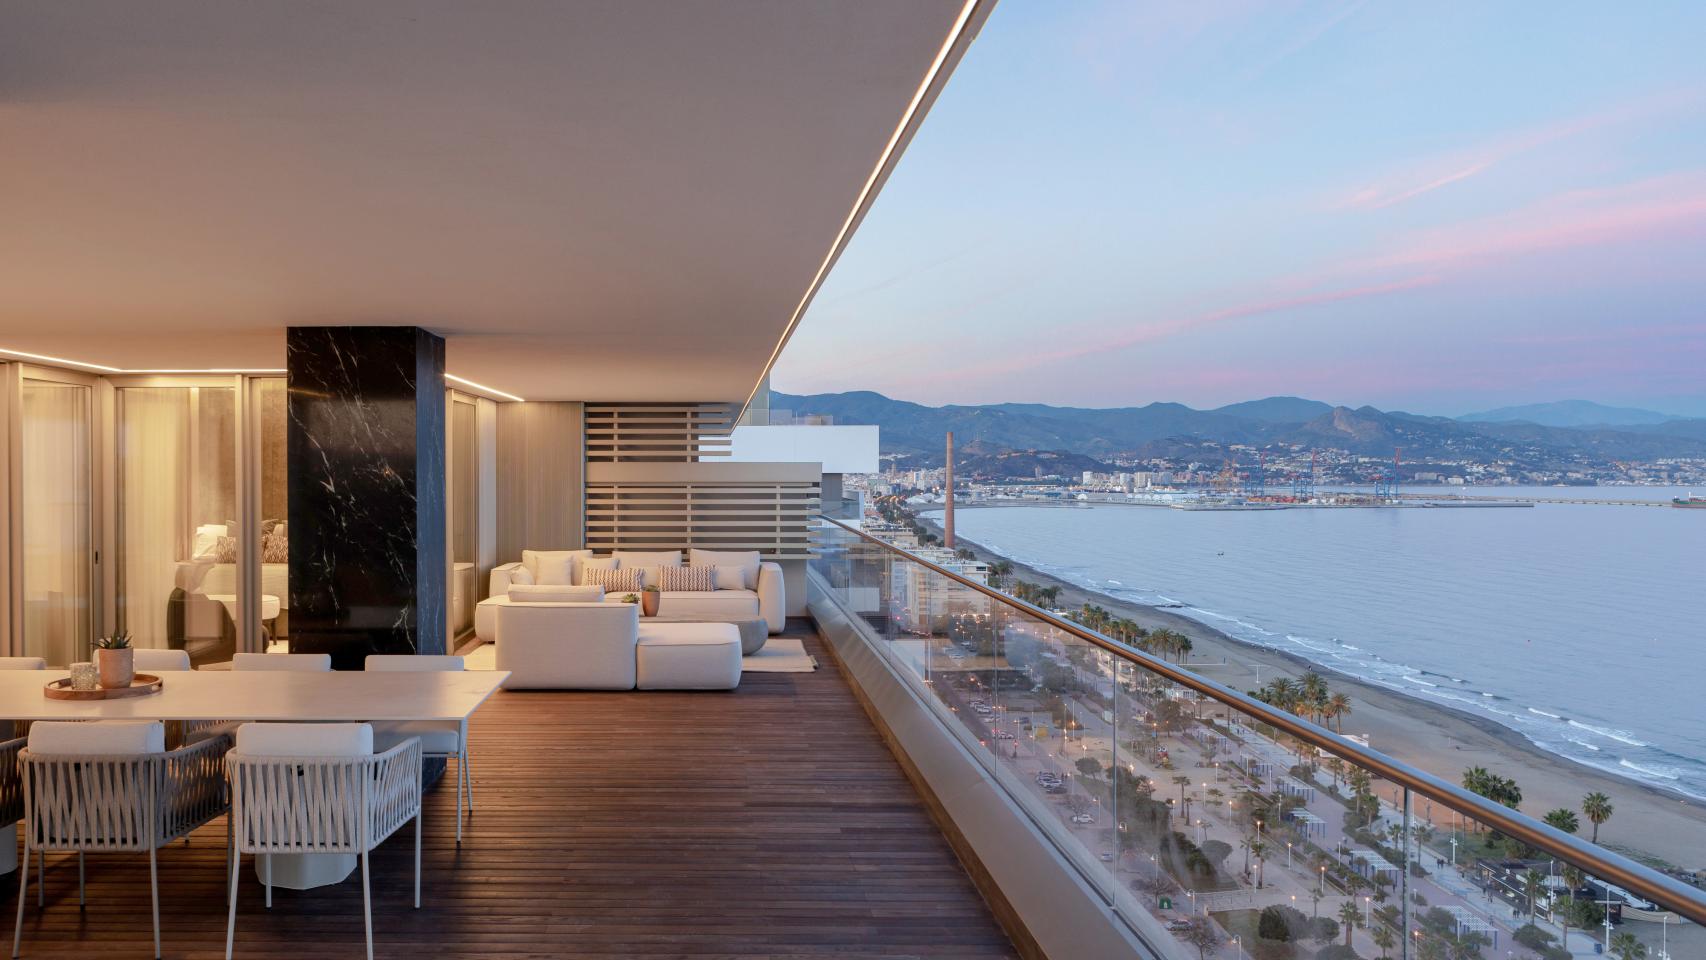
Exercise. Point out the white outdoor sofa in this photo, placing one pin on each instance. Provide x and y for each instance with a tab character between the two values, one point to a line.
768	602
605	646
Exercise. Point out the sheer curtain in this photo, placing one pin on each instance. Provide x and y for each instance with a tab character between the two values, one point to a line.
154	528
57	493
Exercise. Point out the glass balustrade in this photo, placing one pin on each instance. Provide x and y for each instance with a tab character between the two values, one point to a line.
1211	831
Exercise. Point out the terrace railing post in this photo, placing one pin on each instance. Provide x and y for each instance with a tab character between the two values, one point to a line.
1404	879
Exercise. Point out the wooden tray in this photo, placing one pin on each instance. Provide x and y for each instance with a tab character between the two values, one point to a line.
141	685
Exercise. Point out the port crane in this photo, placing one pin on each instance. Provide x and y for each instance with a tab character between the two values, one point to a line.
1386	486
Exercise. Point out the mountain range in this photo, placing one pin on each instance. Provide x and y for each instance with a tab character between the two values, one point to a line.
915	431
1572	413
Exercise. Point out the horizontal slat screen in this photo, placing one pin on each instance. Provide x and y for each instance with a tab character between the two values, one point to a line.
658	432
772	517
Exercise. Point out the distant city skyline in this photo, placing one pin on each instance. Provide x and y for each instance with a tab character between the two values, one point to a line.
1440	209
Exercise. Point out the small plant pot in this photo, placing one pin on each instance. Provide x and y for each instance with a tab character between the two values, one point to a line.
649	603
117	667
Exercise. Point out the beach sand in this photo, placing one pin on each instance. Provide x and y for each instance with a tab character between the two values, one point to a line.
1650	824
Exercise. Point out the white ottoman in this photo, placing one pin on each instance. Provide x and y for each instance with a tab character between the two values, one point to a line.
688	656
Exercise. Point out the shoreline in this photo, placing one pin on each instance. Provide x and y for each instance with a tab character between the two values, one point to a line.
1436	738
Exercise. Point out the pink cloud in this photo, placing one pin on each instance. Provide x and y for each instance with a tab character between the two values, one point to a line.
1458	165
1171	328
1574	219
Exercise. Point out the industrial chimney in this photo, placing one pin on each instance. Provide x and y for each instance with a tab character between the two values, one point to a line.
948	515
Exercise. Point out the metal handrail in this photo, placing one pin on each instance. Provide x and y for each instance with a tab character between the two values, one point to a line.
1595	860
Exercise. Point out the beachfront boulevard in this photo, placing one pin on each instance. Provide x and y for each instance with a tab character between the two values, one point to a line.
1204	819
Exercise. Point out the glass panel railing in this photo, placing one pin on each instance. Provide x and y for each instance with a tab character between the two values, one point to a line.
1217	826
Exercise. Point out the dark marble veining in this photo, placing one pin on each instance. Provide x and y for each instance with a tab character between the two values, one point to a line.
366	479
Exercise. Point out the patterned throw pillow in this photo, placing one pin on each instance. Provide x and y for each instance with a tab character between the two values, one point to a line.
276	547
225	550
617	581
683	579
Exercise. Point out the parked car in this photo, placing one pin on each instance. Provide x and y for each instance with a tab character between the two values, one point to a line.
1083	818
1178	926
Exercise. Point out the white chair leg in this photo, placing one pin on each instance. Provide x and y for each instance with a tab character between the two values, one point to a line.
154	894
266	876
231	914
366	905
417	859
82	897
23	888
460	782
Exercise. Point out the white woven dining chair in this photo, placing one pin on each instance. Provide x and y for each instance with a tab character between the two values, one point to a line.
11	784
111	786
440	739
148	661
246	662
23	663
300	788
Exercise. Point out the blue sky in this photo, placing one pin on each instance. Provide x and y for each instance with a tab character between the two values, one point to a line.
1437	207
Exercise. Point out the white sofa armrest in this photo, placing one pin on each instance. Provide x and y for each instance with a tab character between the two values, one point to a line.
772	596
568	646
500	579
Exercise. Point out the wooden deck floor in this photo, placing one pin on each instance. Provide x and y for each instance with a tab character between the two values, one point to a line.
770	822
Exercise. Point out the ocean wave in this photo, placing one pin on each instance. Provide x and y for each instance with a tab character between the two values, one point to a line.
1663	773
1621	736
1582	743
1544	713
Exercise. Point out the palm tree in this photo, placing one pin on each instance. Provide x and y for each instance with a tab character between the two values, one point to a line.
1340	705
1598	808
1624	946
1383	939
1532	883
999	571
1314	693
1572	880
1348	917
1563	819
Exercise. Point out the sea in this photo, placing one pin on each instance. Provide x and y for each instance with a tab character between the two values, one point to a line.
1581	627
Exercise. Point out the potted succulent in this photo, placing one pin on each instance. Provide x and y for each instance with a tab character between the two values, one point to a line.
630	598
649	597
115	659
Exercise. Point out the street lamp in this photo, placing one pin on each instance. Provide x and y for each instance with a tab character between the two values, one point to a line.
1288	854
1323	879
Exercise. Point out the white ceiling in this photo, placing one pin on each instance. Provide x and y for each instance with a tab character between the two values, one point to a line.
608	200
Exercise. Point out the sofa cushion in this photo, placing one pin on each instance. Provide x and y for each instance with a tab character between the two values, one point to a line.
746	560
728	578
592	563
710	605
626	580
651	558
522	576
555	593
552	566
694	577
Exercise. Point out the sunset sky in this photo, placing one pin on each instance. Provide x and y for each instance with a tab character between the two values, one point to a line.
1436	207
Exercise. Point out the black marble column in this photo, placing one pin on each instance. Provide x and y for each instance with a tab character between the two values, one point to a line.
366	479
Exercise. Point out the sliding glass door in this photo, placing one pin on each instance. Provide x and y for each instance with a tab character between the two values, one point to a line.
178	536
463	514
56	479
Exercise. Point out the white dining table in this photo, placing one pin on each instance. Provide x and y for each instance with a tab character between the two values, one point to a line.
263	695
350	695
